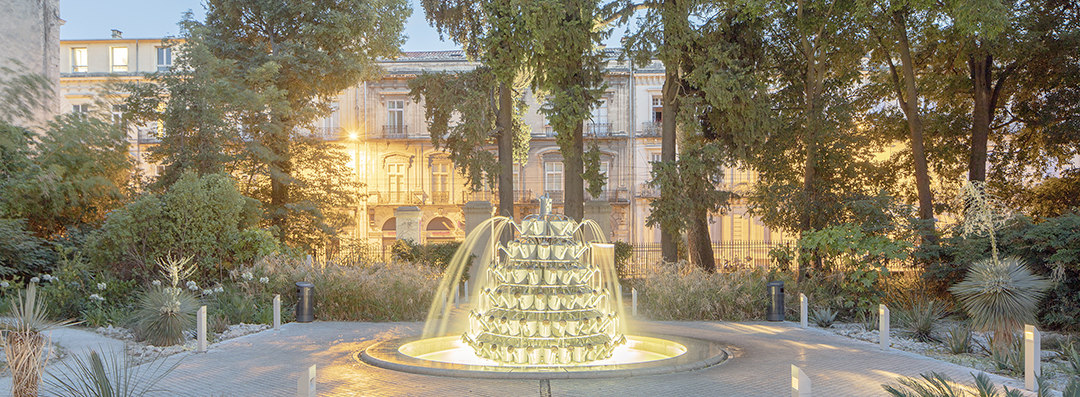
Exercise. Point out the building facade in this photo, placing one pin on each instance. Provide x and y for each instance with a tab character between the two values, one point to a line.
384	131
30	36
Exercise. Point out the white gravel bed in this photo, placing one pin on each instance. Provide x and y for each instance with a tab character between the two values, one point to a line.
141	352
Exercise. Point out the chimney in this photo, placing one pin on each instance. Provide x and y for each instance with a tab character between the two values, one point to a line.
116	34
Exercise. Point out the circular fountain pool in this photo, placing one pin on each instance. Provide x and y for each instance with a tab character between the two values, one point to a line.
639	356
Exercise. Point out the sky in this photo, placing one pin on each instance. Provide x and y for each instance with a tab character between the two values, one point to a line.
94	19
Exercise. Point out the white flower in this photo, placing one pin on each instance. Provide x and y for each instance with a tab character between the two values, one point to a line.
97	297
102	286
247	276
192	286
156	282
219	289
35	280
4	284
264	280
207	292
47	277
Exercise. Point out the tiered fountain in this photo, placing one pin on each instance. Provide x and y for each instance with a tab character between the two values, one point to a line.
546	307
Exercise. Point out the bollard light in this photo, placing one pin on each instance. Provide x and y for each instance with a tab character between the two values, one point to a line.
633	301
305	385
883	325
277	312
802	310
800	383
1032	357
201	329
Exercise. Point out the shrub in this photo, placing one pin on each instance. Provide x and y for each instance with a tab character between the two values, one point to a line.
1001	297
94	296
684	292
858	257
21	253
436	255
203	217
355	292
623	253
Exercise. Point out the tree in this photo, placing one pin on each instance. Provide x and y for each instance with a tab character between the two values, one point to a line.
297	54
568	69
75	174
494	32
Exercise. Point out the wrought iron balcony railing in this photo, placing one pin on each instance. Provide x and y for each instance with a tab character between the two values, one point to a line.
650	128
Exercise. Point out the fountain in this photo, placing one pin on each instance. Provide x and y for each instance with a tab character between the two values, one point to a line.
547	305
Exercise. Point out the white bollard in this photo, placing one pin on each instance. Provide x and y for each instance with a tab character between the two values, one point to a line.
803	310
633	301
201	329
277	312
465	294
1032	357
883	325
457	294
800	383
305	385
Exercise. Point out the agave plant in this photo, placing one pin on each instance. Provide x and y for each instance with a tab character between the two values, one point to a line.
921	318
938	384
25	341
958	339
1000	296
823	317
113	375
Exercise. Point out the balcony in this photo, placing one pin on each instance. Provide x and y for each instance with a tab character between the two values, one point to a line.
395	132
440	197
651	128
398	197
556	196
149	135
324	133
520	196
611	195
645	191
591	130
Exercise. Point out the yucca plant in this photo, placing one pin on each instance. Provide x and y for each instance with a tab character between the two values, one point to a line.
1000	296
823	317
111	375
1072	357
165	312
938	384
958	339
921	318
24	341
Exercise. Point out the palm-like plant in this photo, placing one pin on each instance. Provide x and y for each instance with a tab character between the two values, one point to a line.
1000	296
24	342
113	375
921	318
938	384
165	312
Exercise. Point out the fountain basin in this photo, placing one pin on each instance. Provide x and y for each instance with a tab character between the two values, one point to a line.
642	355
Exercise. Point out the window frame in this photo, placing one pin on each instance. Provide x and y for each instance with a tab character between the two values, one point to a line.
76	67
115	67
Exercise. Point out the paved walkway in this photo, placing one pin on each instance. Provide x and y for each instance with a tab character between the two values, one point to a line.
269	363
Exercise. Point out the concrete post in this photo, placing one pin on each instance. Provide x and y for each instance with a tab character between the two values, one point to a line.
803	310
465	294
800	383
201	329
1032	357
277	312
305	385
477	212
599	212
633	301
883	326
408	223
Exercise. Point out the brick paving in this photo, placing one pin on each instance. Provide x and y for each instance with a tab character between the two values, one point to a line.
269	364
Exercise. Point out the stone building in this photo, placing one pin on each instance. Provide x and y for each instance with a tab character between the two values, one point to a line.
30	36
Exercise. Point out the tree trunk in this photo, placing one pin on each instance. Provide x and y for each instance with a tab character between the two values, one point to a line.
814	82
280	171
699	242
506	151
573	183
668	248
910	106
980	65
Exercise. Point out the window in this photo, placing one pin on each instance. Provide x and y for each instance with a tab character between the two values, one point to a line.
82	108
395	115
332	122
658	109
553	176
78	60
655	158
440	182
119	59
396	181
160	169
164	58
117	114
600	124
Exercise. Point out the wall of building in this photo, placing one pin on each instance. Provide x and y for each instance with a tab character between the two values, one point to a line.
30	35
